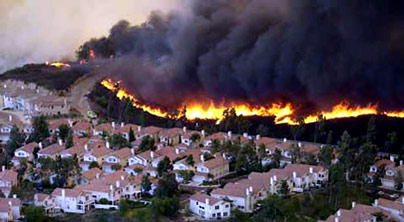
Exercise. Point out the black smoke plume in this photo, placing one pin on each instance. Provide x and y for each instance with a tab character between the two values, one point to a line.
315	53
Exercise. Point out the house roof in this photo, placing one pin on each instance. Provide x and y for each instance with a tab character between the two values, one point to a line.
82	125
147	155
151	130
52	149
68	192
173	132
8	175
107	127
122	153
386	162
4	203
100	151
359	213
215	162
220	136
200	197
169	152
56	123
126	128
41	196
93	188
189	134
266	141
92	173
396	205
29	148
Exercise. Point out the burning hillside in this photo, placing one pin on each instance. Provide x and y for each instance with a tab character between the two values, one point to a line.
286	59
283	113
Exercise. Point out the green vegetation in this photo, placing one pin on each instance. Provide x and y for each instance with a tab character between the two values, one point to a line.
147	143
41	129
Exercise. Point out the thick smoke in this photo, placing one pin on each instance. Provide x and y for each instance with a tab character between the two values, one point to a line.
40	30
314	53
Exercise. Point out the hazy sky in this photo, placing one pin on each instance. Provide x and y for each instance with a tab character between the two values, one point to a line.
40	30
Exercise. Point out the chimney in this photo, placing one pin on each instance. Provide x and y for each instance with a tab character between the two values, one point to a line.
86	147
202	158
63	193
258	136
122	124
391	158
402	200
184	129
285	140
70	122
336	219
10	118
5	86
353	204
40	145
122	177
113	125
247	191
311	169
401	162
107	145
338	213
203	133
132	150
10	203
271	181
376	203
97	175
111	188
229	135
207	201
275	178
299	144
139	128
60	142
245	135
294	175
177	151
251	189
224	155
151	154
14	196
118	184
3	168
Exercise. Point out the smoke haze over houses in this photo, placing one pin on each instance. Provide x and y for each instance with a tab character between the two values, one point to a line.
33	31
313	53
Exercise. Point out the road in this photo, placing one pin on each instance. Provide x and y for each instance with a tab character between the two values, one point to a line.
79	91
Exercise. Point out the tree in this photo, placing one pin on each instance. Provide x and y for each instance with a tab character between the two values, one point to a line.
262	130
376	181
69	139
64	130
326	155
284	189
117	140
163	166
94	164
166	206
146	184
167	186
190	160
319	130
298	129
371	131
33	214
398	180
16	140
116	167
41	129
131	135
276	158
391	141
147	143
195	137
186	175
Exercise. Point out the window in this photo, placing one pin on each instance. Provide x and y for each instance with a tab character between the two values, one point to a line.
197	203
224	214
227	206
217	208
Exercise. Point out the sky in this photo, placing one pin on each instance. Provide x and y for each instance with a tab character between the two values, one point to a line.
35	31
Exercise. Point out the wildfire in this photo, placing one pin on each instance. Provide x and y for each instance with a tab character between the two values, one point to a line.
283	113
60	65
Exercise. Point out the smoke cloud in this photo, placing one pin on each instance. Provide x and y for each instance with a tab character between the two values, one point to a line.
33	31
313	53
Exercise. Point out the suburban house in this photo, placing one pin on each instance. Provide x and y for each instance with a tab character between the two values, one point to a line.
87	176
51	151
219	137
79	150
71	200
104	128
96	154
24	153
8	179
125	128
187	137
171	136
10	209
145	158
82	128
209	208
358	212
391	171
395	208
150	131
119	157
51	106
212	169
45	201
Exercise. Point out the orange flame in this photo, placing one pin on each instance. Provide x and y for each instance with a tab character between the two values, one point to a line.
60	65
344	110
283	113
